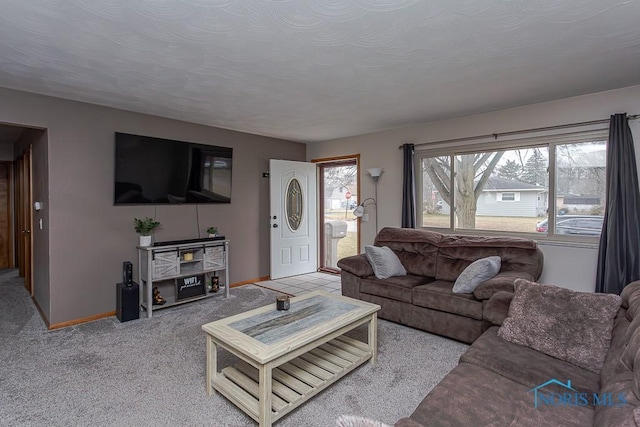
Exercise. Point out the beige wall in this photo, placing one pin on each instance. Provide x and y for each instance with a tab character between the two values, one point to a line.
87	238
570	267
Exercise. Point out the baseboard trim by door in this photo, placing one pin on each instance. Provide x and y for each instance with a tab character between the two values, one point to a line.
82	320
249	282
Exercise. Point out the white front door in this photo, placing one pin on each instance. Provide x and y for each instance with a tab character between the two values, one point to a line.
293	218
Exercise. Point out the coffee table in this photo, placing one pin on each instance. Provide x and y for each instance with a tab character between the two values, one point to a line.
287	357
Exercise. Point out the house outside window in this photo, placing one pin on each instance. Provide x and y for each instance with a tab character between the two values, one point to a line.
514	186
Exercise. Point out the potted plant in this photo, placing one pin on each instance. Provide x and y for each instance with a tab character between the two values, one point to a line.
213	231
144	227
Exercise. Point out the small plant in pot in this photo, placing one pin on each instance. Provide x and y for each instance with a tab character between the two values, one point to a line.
144	227
213	231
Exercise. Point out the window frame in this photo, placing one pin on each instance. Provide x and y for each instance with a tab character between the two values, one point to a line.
514	194
483	145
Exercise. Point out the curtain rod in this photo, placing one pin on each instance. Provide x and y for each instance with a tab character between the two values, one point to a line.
518	132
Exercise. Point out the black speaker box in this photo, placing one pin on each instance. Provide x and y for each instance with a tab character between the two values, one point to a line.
127	301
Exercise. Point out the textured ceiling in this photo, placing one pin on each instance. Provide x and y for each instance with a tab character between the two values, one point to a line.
310	70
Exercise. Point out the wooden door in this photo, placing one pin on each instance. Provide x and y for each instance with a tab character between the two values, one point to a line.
24	219
6	251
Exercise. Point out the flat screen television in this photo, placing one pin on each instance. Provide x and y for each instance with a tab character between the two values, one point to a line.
163	171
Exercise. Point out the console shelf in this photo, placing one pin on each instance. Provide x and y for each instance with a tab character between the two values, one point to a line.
162	264
171	301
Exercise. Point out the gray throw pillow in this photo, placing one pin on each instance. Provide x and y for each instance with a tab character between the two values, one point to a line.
477	272
568	325
384	261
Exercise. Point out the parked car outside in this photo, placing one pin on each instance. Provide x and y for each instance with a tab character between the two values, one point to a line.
586	225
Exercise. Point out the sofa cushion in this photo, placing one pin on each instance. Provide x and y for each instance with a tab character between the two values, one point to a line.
619	408
630	350
472	396
384	262
396	288
634	305
438	295
476	273
572	326
525	365
619	339
452	260
461	328
632	326
627	291
503	281
417	249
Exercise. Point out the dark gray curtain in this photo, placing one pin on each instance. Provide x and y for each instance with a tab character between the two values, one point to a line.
619	255
408	187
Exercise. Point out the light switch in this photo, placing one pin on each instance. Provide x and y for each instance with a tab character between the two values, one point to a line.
365	217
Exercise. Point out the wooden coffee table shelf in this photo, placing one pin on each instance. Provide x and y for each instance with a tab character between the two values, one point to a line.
305	353
297	380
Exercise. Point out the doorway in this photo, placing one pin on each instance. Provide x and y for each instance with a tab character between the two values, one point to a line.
293	218
24	219
339	185
6	246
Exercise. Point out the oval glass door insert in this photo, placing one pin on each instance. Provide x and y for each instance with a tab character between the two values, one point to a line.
293	204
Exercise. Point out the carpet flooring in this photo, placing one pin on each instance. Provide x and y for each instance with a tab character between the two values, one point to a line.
150	372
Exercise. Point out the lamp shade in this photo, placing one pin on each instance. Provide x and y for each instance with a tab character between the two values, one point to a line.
375	172
359	211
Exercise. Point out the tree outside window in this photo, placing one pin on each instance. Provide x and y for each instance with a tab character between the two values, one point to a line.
466	190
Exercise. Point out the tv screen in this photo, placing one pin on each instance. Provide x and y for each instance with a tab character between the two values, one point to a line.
163	171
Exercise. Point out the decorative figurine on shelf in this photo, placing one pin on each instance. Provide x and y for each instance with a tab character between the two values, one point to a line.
157	298
215	284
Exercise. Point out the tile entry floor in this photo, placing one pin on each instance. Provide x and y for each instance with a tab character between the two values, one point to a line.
298	285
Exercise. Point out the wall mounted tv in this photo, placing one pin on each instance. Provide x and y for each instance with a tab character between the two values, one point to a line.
163	171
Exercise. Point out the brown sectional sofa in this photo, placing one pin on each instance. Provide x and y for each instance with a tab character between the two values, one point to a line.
423	298
493	385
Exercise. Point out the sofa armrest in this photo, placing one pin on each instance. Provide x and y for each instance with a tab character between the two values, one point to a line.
358	265
503	281
496	308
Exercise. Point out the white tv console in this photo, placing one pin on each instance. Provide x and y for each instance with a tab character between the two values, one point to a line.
164	265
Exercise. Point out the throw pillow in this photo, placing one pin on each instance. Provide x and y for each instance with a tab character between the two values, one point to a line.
568	325
476	273
384	261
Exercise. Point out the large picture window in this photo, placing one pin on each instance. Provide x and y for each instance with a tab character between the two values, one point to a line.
517	186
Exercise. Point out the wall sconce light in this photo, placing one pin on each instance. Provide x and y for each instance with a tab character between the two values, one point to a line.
359	210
